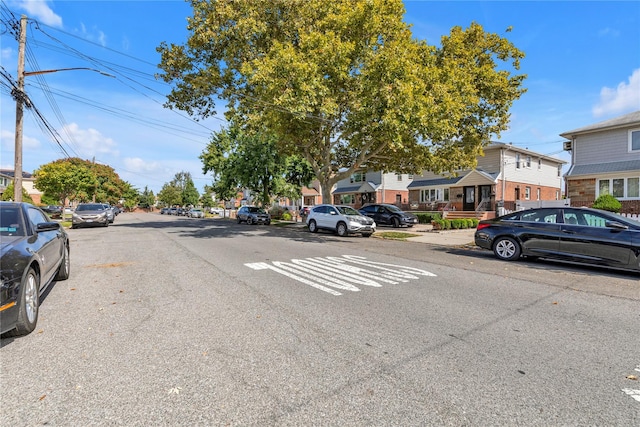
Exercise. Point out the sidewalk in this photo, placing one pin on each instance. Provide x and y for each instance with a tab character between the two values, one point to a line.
439	237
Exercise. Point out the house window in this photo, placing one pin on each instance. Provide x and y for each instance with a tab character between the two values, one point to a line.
557	194
399	176
634	140
357	177
517	161
538	194
621	188
539	164
633	187
410	176
559	170
527	193
434	195
528	161
347	199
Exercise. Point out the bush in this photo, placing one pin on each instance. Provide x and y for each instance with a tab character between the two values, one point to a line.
607	202
276	212
286	216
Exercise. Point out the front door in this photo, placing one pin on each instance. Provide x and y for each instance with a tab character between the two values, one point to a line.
469	201
485	197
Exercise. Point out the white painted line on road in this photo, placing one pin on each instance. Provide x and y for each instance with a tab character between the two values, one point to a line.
331	273
633	393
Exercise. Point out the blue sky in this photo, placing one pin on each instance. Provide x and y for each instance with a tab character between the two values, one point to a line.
582	62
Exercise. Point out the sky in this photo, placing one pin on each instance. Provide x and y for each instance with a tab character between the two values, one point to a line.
582	61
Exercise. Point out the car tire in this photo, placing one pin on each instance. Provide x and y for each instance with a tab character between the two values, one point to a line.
506	248
313	227
268	223
366	234
239	220
341	229
395	222
65	265
28	304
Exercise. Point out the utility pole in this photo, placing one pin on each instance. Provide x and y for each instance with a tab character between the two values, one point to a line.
17	171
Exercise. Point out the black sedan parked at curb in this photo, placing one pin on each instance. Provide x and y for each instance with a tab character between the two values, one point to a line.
35	252
581	235
385	214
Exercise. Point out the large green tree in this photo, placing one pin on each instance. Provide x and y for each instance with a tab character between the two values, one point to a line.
344	84
251	160
66	179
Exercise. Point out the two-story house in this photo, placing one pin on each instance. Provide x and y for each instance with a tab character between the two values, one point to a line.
372	187
28	180
504	177
605	159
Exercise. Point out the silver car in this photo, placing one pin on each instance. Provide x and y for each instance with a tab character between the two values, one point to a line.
342	220
90	215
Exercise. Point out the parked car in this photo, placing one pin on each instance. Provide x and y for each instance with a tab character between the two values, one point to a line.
111	214
164	211
388	215
53	211
90	215
173	211
217	211
581	235
253	215
343	220
195	213
35	252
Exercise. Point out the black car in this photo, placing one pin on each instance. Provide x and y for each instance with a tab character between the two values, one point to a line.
35	252
253	215
388	215
53	211
588	236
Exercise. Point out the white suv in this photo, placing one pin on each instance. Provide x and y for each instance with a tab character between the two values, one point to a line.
342	220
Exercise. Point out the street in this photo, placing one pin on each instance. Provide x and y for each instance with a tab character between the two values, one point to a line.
175	321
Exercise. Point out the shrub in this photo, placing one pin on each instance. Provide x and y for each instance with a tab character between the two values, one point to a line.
286	216
607	202
276	212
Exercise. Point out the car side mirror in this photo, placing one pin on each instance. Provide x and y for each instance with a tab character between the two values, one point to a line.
615	224
47	226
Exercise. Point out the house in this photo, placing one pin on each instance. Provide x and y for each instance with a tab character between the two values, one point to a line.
506	177
372	187
605	159
28	180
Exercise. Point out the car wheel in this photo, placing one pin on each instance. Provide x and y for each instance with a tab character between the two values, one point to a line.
73	227
28	304
268	222
341	229
239	220
313	227
65	265
254	221
106	224
366	234
395	222
506	249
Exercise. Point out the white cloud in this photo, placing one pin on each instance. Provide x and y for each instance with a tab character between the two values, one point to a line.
6	53
138	165
41	11
90	142
625	97
9	141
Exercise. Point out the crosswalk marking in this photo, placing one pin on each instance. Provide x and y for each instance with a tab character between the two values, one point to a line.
345	273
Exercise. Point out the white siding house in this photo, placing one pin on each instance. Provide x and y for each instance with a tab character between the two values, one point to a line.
605	159
372	187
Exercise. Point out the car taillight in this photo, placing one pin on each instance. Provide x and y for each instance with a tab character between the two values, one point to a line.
481	226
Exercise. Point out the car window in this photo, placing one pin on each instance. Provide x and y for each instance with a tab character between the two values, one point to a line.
541	215
36	217
347	210
369	209
393	208
11	222
593	220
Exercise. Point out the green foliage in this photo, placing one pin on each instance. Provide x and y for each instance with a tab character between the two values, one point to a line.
427	218
9	193
607	202
454	224
251	160
344	84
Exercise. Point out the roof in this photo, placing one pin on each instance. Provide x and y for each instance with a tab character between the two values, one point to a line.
502	146
434	182
628	120
11	173
602	168
306	191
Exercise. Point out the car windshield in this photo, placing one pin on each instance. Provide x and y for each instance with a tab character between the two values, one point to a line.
347	210
394	208
256	210
90	207
11	222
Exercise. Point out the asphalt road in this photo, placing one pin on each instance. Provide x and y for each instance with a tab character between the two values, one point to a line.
182	322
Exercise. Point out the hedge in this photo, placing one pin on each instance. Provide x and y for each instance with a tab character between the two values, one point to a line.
454	224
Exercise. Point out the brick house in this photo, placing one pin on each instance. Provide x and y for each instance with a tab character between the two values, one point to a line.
504	177
372	187
605	159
